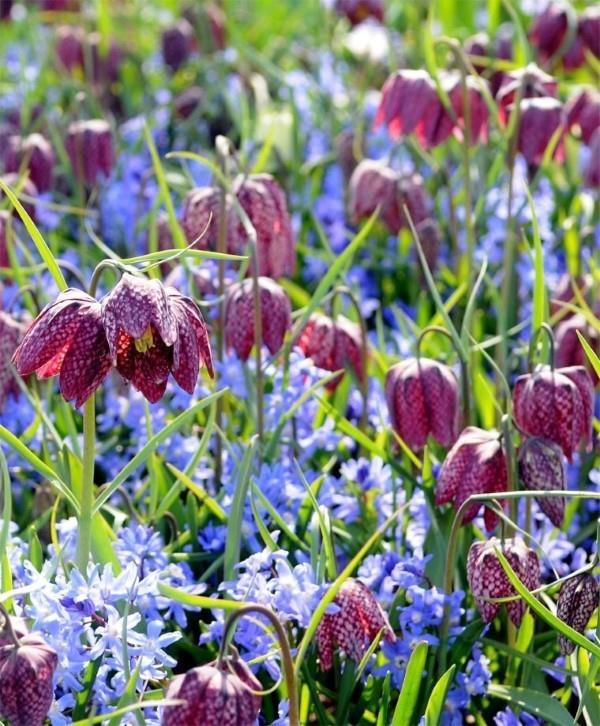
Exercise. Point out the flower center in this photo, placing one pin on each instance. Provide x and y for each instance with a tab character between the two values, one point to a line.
145	342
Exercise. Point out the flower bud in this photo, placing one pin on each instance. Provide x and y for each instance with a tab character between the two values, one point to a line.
541	469
354	626
422	399
178	42
557	405
89	145
26	672
476	464
275	314
36	154
488	580
214	696
577	600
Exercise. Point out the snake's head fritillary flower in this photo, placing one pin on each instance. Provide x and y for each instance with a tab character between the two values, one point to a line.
354	626
549	29
556	404
478	110
275	315
577	600
408	97
264	202
541	469
89	145
477	45
357	11
487	579
333	345
568	348
70	42
583	112
11	332
422	399
35	152
223	694
178	42
67	339
26	672
591	176
476	464
152	331
541	118
186	102
589	28
531	82
200	219
564	292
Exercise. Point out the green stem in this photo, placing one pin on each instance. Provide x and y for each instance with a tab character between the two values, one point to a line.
510	466
257	343
7	627
286	654
86	494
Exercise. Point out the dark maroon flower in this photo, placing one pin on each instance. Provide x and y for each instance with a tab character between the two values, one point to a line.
354	626
422	399
70	42
333	346
430	239
487	579
264	202
534	81
591	176
476	464
479	46
35	154
541	469
26	187
11	332
549	29
477	107
276	316
375	185
218	694
89	145
408	97
574	56
5	9
153	331
200	219
26	672
564	293
556	404
577	600
67	339
541	118
357	11
178	42
105	62
568	349
186	102
589	27
583	111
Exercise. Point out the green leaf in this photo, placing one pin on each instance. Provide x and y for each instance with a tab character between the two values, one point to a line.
542	611
233	543
435	705
199	601
411	685
37	238
592	357
536	703
150	447
203	496
6	512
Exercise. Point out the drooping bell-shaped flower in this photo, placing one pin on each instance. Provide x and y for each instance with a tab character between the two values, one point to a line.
275	315
582	111
67	339
541	469
178	42
487	579
408	97
530	82
549	29
89	145
357	11
354	626
591	177
568	348
36	154
218	694
556	404
422	399
11	332
152	331
589	27
476	464
333	345
200	219
541	119
577	600
26	672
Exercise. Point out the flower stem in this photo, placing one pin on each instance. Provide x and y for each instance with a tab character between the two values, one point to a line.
257	344
7	627
286	654
86	494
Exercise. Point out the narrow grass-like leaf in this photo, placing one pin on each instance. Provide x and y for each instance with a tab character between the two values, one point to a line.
278	519
435	705
38	240
233	543
543	612
411	686
199	601
590	353
6	510
151	445
140	705
203	496
537	704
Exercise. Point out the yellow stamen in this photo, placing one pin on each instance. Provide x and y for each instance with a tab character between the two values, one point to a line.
145	342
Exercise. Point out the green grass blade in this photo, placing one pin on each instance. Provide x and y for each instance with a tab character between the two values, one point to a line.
537	704
435	705
199	601
411	685
592	357
233	544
